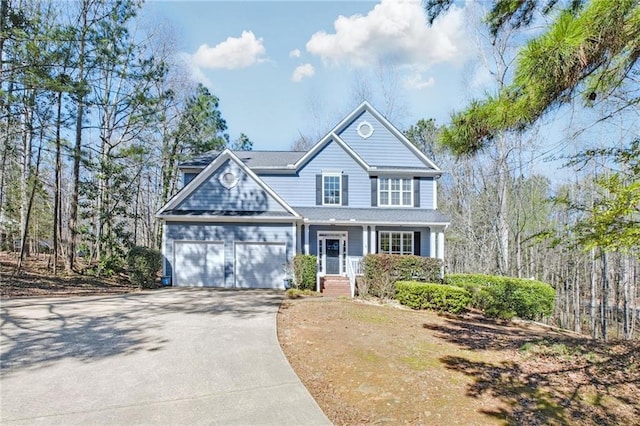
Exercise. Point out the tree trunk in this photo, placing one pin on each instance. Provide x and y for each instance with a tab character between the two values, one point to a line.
604	302
593	296
57	186
77	150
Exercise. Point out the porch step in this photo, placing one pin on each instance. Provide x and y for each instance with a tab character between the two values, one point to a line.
336	287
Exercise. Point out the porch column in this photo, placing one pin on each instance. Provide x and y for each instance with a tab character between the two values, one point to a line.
298	247
432	242
441	244
372	248
306	238
365	240
294	232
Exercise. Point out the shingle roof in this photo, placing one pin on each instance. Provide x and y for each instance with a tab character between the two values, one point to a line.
372	215
253	159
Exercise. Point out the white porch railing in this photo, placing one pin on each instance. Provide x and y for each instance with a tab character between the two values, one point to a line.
354	269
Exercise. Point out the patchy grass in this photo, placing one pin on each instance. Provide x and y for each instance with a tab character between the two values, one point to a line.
367	363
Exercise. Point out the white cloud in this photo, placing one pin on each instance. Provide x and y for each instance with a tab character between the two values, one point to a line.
302	71
240	52
416	81
395	31
295	53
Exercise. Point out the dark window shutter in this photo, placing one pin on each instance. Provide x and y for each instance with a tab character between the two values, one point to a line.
345	190
416	243
416	192
318	190
374	191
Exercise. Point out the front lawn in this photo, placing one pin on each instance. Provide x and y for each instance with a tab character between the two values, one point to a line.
366	363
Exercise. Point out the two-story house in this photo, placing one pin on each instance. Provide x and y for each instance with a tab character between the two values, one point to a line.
242	216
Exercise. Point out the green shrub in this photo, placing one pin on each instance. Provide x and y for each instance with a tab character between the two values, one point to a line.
381	271
110	265
144	264
506	297
304	271
439	297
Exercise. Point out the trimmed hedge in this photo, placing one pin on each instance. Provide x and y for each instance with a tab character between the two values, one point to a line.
144	263
439	297
506	297
304	271
381	271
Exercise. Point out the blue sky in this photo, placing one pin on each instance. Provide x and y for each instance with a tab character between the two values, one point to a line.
281	69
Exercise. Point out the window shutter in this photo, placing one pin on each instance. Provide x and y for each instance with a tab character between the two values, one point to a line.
318	190
345	190
416	192
374	191
416	243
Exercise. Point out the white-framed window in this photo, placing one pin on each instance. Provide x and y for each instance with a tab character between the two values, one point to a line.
332	189
393	242
395	192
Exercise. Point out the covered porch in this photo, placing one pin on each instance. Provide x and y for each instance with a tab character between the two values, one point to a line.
341	242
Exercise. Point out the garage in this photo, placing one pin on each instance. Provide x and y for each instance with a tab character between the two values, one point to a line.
199	264
259	264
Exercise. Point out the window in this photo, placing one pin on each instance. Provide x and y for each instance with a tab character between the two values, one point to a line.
395	192
395	242
331	190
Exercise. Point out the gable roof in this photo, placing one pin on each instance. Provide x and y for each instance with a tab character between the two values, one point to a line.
219	160
292	161
366	106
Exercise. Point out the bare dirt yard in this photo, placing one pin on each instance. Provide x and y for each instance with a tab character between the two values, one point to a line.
36	279
365	363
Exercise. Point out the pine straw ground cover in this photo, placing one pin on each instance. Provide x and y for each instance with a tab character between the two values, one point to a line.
37	279
373	364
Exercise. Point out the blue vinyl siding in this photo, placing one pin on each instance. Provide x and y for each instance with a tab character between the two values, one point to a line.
300	190
426	192
382	148
247	195
228	234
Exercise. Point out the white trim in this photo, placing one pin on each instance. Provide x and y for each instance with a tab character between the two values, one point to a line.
339	176
402	179
365	239
435	194
306	239
164	251
209	170
374	243
432	242
362	134
441	245
343	252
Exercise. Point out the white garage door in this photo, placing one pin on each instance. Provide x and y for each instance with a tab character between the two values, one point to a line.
198	264
260	265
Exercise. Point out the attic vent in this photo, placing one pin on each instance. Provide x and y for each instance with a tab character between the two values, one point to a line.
228	180
365	129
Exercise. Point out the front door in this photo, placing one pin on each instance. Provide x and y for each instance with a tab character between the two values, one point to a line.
332	256
332	252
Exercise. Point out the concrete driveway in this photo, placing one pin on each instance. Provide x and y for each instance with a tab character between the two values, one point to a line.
172	356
